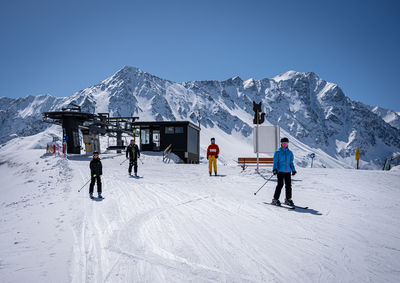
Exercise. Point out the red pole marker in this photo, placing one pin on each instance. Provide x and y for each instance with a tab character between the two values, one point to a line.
357	156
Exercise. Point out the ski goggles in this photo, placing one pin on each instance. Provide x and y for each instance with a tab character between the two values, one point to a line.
213	140
285	144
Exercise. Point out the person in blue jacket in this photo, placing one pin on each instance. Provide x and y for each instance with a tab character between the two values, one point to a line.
283	167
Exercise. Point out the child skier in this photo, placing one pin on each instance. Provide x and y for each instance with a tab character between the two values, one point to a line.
283	165
96	171
132	152
212	155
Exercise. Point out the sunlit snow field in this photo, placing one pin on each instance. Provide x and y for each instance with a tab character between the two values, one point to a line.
177	224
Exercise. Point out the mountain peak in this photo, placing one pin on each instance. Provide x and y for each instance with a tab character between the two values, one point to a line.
127	70
234	80
288	76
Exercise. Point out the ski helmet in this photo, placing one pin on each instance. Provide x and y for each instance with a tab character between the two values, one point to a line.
284	140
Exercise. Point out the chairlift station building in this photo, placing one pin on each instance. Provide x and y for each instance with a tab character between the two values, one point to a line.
183	136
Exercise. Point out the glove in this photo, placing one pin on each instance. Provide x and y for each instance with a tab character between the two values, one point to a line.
216	156
101	176
275	171
94	175
294	173
207	157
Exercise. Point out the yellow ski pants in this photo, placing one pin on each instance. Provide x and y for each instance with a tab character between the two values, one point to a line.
212	161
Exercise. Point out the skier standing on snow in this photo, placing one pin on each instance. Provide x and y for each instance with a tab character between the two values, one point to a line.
96	171
212	155
133	152
283	166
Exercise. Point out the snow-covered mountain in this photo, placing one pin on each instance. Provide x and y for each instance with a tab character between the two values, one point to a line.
389	116
22	116
308	109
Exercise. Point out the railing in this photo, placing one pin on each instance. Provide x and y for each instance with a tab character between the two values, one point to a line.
388	162
166	152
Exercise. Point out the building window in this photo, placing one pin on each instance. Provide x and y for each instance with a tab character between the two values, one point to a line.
156	139
145	136
169	130
178	130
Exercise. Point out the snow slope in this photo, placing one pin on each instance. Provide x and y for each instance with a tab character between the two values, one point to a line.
177	224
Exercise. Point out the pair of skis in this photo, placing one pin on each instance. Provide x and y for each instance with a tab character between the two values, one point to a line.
96	198
287	206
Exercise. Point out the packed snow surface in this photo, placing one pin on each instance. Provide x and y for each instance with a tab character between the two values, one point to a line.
176	224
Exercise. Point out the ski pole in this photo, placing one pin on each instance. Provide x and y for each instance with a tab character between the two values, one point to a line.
140	160
123	161
84	185
264	184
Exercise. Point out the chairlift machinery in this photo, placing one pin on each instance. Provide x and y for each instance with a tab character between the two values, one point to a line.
72	119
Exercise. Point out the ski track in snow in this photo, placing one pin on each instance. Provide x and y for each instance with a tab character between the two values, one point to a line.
177	224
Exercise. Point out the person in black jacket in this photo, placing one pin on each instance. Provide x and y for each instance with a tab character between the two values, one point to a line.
133	153
96	171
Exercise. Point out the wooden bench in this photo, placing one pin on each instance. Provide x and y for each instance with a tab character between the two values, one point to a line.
244	162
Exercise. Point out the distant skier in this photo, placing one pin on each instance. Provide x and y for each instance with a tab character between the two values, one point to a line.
283	166
212	155
96	171
133	153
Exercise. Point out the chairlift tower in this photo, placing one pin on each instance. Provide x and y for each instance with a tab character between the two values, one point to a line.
70	119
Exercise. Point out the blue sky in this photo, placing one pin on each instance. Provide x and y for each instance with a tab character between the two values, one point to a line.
60	47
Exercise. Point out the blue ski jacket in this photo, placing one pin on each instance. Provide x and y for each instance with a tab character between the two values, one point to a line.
283	160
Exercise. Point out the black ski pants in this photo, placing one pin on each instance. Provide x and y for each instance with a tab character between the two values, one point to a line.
133	164
283	176
94	179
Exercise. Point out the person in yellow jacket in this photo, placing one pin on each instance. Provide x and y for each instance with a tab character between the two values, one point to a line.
212	155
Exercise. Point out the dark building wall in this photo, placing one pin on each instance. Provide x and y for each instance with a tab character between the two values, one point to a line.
183	137
193	137
71	131
175	135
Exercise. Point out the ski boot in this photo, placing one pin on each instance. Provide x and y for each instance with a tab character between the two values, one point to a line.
215	173
276	202
210	173
135	174
100	196
289	202
91	195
